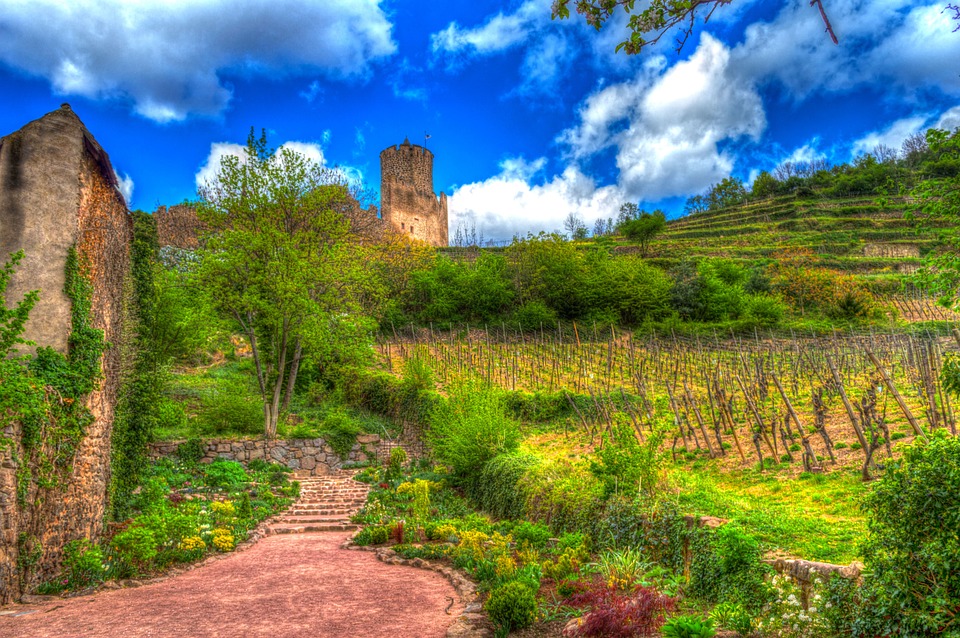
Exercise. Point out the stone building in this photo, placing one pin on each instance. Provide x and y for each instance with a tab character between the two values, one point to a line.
58	191
407	200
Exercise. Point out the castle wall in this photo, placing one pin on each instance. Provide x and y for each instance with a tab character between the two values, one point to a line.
63	193
178	226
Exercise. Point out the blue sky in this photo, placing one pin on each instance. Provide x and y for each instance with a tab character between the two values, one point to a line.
530	119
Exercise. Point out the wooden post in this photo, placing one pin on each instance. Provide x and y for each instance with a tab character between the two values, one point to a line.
887	381
846	404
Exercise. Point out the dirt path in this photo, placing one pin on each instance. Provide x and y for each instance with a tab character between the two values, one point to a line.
285	585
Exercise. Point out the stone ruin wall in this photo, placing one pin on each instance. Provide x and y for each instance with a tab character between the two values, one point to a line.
178	226
408	202
58	190
891	250
304	456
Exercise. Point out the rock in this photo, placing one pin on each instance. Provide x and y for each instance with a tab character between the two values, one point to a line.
368	438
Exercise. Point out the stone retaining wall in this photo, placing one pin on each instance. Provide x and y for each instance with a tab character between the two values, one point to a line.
308	456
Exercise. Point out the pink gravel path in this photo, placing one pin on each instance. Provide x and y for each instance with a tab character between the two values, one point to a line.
285	585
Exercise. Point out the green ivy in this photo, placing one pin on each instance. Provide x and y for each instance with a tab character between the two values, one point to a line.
141	391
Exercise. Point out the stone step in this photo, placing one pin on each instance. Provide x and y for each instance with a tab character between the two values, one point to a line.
314	519
306	529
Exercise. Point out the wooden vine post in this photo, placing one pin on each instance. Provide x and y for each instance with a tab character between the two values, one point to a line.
887	381
809	457
846	404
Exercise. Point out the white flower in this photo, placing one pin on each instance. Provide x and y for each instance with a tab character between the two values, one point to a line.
812	610
828	605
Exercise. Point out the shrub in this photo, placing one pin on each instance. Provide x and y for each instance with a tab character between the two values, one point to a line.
372	535
913	522
224	473
688	627
512	606
622	569
135	547
469	429
534	315
82	564
726	567
231	409
398	457
733	617
498	492
533	533
616	614
340	432
191	450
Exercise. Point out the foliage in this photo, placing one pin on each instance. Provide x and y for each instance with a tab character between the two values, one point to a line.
624	464
935	201
340	432
688	627
511	606
913	519
644	229
469	429
498	491
734	617
398	457
280	262
224	473
786	616
726	567
622	569
12	320
615	614
82	564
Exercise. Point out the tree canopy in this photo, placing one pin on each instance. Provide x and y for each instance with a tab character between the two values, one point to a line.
279	260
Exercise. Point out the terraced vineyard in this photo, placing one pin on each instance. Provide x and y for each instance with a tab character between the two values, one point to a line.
854	235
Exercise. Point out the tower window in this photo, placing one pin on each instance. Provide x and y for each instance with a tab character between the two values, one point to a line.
411	229
402	225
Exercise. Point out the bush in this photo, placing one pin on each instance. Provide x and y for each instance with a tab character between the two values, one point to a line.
913	522
82	564
469	429
224	473
615	614
498	492
398	457
231	409
512	606
340	432
726	567
534	315
191	450
533	533
688	627
372	535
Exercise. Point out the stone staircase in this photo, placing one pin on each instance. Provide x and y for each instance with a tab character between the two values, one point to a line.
326	504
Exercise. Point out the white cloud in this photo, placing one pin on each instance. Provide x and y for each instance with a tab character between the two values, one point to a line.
508	204
950	119
908	43
309	150
806	153
892	136
218	150
168	60
498	33
667	125
125	185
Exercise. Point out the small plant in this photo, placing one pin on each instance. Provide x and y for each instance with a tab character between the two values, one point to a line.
224	473
398	458
733	617
83	564
614	614
688	627
191	450
372	535
622	569
511	606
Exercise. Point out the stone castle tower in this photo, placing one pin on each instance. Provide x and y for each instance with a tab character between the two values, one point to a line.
407	200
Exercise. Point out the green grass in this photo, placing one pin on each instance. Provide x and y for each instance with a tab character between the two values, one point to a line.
816	517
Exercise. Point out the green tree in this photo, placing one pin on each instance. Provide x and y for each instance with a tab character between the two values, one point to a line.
658	17
645	228
765	185
936	202
729	192
280	262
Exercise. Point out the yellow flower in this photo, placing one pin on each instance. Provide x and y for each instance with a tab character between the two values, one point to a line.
191	543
